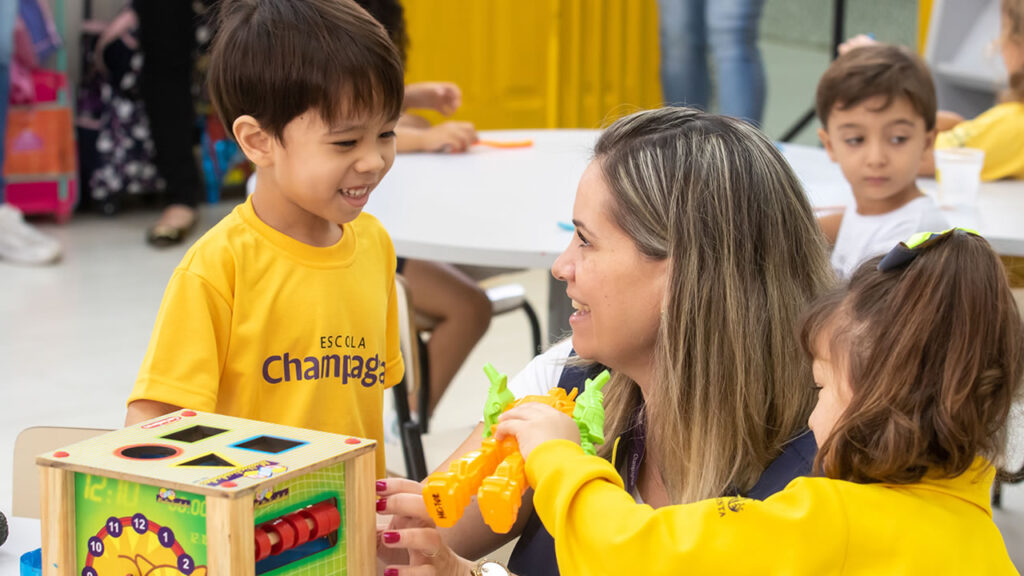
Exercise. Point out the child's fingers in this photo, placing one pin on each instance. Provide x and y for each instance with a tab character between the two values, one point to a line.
527	411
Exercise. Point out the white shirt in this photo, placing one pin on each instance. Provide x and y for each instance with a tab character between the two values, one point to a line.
862	237
543	372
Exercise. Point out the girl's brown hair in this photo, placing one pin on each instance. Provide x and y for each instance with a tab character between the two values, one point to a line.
1013	31
715	198
934	354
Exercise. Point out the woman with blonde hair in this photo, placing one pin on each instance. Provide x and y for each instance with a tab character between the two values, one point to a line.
695	251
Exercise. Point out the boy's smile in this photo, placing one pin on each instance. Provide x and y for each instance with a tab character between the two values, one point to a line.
319	177
879	151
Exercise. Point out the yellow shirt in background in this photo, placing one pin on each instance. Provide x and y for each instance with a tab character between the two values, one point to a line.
258	325
815	526
998	131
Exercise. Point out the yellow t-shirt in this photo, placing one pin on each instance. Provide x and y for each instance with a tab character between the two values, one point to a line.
999	131
258	325
815	526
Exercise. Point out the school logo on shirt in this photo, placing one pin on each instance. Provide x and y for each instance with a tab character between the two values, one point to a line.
731	504
349	368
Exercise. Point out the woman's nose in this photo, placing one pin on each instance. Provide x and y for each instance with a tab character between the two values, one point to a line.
562	269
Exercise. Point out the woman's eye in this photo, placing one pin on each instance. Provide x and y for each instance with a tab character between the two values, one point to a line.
816	388
583	240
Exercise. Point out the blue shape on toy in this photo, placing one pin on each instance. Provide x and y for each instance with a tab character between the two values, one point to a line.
32	563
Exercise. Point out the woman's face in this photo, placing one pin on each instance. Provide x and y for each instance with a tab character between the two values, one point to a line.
617	291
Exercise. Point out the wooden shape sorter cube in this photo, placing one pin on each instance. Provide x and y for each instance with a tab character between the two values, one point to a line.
203	494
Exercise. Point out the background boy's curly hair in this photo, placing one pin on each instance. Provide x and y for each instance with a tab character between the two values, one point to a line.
277	59
934	354
877	70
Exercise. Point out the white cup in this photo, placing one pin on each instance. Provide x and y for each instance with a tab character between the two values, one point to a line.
959	173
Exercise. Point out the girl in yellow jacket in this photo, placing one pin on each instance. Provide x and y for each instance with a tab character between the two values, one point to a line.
916	363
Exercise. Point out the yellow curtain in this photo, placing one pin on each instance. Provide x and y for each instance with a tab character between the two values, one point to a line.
538	63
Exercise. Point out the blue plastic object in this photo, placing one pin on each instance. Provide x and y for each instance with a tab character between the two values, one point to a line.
32	563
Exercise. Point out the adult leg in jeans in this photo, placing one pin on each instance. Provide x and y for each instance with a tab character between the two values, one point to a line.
684	67
732	32
19	241
166	33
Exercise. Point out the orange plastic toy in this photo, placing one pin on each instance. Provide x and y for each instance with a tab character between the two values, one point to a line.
499	494
497	472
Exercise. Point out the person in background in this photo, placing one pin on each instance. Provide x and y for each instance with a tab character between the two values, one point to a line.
687	29
877	106
998	130
20	242
167	36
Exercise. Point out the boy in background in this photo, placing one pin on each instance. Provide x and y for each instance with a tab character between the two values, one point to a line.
877	109
285	311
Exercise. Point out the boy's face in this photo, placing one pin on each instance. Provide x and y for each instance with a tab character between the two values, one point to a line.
329	171
879	151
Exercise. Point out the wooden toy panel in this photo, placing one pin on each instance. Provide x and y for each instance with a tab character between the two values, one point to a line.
205	453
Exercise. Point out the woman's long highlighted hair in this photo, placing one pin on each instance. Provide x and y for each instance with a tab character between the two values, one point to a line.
718	200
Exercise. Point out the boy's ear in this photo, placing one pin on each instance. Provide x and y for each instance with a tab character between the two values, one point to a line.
823	136
255	142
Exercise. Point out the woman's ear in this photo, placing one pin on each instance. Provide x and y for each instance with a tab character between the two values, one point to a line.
255	142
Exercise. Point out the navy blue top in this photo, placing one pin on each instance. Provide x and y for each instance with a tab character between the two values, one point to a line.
534	554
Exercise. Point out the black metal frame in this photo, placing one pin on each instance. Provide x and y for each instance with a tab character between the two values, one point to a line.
838	24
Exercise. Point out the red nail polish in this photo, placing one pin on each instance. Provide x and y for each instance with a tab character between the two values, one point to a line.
391	572
381	485
391	537
382	503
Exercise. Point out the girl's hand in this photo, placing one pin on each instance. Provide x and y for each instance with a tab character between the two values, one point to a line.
410	544
444	97
450	137
533	423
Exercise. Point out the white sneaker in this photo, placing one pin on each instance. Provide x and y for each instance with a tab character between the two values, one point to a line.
21	243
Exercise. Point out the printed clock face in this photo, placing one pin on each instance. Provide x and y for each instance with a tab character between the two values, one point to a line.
136	546
129	529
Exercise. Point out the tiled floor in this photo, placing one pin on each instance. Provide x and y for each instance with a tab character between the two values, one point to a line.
72	337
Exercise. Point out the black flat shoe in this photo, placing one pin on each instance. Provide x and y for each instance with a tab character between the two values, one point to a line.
163	236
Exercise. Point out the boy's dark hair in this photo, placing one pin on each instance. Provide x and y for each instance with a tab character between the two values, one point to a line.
276	59
934	354
877	70
391	16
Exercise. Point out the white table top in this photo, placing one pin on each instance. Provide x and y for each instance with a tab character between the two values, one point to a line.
501	207
24	537
490	206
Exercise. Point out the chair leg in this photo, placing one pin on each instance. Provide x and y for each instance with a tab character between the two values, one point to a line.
412	443
424	392
534	328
